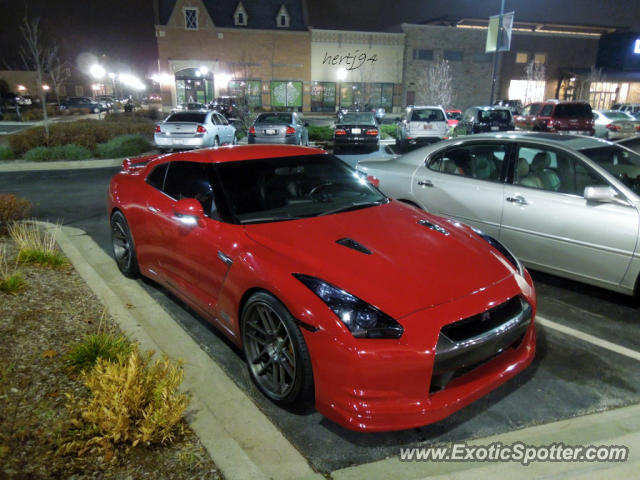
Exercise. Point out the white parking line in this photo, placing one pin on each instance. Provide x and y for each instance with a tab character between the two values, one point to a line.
588	338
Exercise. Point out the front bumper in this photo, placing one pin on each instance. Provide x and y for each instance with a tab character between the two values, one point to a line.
383	385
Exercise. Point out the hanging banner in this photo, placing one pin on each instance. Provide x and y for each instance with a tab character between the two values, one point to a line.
505	37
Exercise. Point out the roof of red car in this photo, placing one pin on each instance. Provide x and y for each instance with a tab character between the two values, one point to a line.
234	153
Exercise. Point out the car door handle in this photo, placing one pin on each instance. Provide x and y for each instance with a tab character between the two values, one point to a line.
519	199
225	258
425	183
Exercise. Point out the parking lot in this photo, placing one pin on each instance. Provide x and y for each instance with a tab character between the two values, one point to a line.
587	351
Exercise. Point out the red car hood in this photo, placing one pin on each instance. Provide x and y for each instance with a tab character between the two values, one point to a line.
410	267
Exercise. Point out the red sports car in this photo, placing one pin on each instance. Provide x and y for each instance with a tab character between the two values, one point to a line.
385	316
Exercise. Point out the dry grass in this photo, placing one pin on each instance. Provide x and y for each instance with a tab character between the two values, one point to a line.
12	281
133	400
37	247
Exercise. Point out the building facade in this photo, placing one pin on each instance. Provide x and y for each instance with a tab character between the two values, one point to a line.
258	51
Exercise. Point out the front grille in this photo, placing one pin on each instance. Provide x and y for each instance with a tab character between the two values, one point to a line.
483	322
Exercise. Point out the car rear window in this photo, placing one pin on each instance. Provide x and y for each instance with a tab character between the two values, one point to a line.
274	118
427	115
566	110
617	115
485	116
364	118
188	117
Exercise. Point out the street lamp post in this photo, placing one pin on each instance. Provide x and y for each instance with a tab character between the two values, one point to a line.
496	53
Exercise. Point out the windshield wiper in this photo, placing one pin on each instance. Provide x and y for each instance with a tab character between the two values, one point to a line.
354	206
275	218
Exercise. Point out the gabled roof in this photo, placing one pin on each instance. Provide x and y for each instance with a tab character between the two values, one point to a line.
262	13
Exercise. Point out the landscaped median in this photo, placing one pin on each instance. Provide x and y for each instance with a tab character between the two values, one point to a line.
77	398
118	135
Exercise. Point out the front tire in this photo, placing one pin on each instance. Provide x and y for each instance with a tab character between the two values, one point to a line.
276	353
124	250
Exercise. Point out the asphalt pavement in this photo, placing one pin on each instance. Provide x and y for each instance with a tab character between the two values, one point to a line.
570	376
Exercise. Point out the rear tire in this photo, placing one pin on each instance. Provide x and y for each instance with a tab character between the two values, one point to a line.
276	353
124	250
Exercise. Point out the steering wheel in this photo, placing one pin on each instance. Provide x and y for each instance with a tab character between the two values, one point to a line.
317	188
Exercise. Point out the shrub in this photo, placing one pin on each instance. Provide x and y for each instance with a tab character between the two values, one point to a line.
12	208
59	152
6	153
320	134
124	146
133	400
35	246
11	283
388	131
87	133
84	355
138	115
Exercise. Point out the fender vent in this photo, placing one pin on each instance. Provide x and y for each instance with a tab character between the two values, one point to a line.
350	243
433	226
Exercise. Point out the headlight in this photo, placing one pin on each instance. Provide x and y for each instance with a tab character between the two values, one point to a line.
502	249
362	319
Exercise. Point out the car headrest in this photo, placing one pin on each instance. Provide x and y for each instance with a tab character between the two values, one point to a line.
523	167
540	161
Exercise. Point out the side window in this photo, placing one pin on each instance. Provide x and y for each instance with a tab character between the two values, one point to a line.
526	110
156	177
535	108
480	161
191	180
222	120
214	119
468	115
546	110
553	171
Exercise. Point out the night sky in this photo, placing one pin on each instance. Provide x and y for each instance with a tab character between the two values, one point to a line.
123	29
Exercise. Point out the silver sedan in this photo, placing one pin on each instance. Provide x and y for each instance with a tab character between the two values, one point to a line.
564	204
187	130
276	127
614	124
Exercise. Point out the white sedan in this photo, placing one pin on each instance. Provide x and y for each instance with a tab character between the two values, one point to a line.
565	204
614	124
188	130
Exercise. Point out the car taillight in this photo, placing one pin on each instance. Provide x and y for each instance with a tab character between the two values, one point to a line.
158	129
340	131
637	128
290	131
252	130
201	129
550	123
372	132
373	180
613	127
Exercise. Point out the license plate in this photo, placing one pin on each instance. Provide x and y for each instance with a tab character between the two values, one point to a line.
427	126
178	142
356	130
271	131
495	129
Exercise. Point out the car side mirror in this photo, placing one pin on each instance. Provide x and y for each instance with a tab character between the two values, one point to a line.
189	211
603	194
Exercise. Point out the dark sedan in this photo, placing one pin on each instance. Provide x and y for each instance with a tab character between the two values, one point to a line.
356	129
83	104
485	119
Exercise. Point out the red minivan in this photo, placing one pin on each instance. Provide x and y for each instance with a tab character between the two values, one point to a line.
557	117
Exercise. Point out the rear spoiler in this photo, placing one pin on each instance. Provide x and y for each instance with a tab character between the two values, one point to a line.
134	164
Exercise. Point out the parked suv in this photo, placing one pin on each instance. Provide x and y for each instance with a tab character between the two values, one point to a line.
485	119
557	117
422	125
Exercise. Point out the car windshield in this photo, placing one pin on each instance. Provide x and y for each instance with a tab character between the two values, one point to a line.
288	188
274	118
188	117
619	161
494	115
360	118
427	115
454	115
615	115
566	110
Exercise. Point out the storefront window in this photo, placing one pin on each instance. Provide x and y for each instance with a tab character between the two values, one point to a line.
367	95
192	86
286	95
248	90
323	97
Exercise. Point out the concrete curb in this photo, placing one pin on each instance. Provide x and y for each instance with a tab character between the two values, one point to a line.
26	166
240	438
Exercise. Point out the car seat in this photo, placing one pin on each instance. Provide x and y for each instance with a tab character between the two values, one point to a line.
524	178
540	167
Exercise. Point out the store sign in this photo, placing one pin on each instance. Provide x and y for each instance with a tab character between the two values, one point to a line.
350	61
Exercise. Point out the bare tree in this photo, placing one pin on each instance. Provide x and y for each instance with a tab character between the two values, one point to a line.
57	70
34	56
583	90
436	86
534	73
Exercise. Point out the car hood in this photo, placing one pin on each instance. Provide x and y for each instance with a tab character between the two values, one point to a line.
410	266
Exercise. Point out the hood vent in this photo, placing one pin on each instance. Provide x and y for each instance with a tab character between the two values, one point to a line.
350	243
433	226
